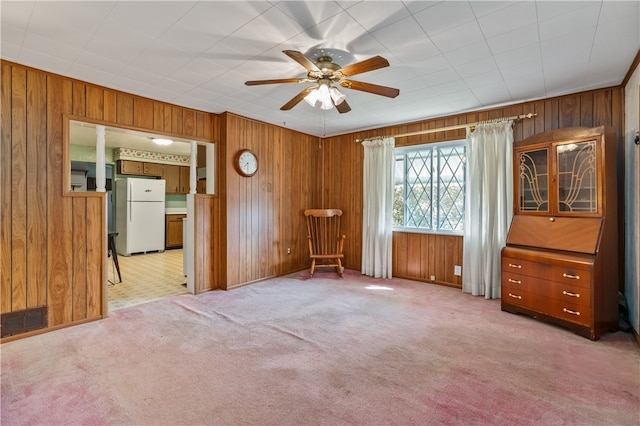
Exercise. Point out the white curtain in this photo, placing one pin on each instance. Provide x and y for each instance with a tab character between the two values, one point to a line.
377	207
488	206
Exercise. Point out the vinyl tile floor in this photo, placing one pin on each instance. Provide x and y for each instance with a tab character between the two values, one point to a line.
145	277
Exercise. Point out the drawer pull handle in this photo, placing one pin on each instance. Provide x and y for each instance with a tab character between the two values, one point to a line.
515	296
515	281
568	293
573	277
569	311
513	265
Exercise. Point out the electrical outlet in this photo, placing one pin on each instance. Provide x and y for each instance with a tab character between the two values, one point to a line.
433	277
457	270
288	250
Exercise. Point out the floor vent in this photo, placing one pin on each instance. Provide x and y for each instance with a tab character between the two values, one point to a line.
23	321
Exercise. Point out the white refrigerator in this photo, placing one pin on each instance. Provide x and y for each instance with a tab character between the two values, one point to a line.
140	215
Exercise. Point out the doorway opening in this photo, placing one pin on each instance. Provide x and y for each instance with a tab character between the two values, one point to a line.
138	273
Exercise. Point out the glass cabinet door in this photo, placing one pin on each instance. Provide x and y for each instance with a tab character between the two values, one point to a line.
577	177
533	181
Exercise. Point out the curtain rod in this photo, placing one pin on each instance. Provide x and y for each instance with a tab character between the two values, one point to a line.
459	126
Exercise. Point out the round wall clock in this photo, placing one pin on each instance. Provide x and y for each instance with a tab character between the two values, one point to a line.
246	163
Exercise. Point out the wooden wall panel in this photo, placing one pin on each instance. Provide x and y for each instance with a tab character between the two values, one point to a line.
79	247
95	103
189	122
124	109
158	116
59	208
19	189
5	182
110	106
79	99
176	120
96	259
143	113
36	189
207	250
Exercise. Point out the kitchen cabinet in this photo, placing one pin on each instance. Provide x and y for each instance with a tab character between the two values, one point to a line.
177	179
139	168
171	175
129	167
184	179
560	263
173	230
152	169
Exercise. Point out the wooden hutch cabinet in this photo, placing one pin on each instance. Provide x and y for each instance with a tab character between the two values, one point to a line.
560	263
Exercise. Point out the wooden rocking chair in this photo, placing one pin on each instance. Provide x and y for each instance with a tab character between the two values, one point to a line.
325	240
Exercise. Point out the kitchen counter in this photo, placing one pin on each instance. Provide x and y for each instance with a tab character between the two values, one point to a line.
175	210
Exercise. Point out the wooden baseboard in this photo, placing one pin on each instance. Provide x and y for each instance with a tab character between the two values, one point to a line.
423	280
48	329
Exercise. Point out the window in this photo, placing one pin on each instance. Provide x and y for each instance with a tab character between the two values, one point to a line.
429	188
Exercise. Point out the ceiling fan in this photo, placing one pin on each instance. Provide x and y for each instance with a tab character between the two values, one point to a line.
326	75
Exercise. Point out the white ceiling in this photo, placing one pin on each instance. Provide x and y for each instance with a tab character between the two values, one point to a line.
445	57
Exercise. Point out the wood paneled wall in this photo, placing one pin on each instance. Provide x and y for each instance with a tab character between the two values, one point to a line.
419	256
264	213
53	243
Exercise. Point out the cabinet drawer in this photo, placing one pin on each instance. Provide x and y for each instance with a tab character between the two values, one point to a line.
577	296
516	295
569	275
573	312
522	267
522	282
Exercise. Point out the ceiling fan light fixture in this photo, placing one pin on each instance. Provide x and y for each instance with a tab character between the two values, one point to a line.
324	96
312	97
337	96
161	141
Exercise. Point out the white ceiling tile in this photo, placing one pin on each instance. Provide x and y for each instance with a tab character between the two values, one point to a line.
450	87
568	45
480	66
580	21
387	13
490	78
552	9
482	8
88	59
406	40
51	20
514	17
492	93
435	64
522	71
16	13
38	59
152	22
524	37
518	56
531	88
440	77
94	75
10	51
457	37
444	16
472	52
415	6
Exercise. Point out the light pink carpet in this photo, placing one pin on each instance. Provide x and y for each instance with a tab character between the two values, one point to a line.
320	351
